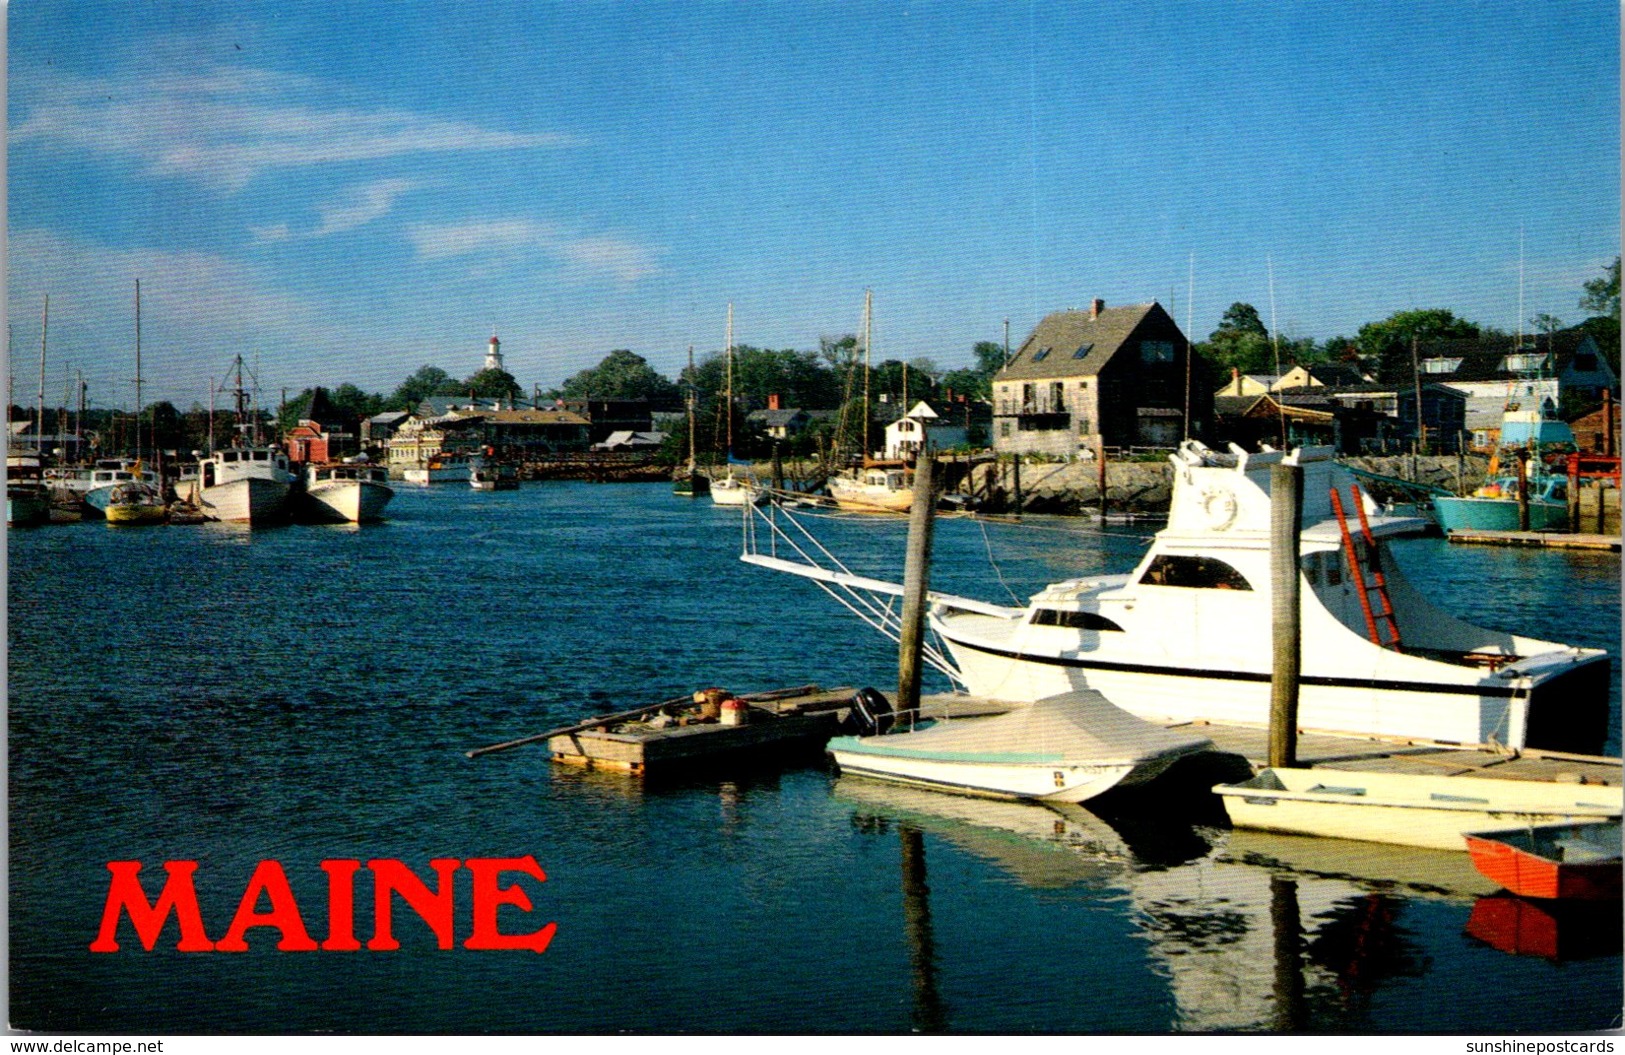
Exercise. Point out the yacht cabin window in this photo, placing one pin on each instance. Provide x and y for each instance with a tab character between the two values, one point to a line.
1075	620
1203	573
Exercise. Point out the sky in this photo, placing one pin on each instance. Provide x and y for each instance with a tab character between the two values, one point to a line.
344	192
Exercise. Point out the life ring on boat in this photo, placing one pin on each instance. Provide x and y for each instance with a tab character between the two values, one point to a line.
1220	506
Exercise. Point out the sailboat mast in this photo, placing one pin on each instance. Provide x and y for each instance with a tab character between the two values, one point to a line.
690	410
138	369
730	451
39	419
868	304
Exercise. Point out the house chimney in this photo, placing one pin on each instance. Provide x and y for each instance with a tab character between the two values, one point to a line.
773	401
1096	306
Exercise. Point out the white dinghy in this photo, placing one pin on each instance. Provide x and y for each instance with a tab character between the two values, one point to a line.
1067	748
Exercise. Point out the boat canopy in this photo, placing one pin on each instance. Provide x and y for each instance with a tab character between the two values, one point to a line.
1076	728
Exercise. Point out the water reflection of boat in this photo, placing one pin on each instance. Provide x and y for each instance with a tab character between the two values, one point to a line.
1250	932
1069	748
1553	930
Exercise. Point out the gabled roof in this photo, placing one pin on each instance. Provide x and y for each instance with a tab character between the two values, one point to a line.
1485	358
1076	343
777	419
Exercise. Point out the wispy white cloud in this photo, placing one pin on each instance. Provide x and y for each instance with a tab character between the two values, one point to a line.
588	255
355	207
222	128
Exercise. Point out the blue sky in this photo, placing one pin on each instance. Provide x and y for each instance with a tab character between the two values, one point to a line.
346	191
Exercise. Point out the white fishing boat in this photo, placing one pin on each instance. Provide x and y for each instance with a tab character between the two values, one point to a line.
445	467
1066	749
1435	812
1186	636
27	500
494	476
876	488
109	474
241	484
347	492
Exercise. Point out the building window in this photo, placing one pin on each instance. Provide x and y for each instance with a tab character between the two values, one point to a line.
1440	365
1004	429
1057	396
1042	354
1083	350
1075	620
1156	351
1522	361
1585	361
1202	573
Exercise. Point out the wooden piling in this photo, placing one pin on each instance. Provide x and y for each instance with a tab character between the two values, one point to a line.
1523	490
916	581
1574	493
1286	525
1015	462
1100	477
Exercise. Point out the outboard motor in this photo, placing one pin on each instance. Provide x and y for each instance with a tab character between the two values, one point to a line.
871	712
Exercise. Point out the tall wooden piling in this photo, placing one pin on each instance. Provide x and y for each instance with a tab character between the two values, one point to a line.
916	581
1286	525
1523	490
1015	464
1100	477
1574	493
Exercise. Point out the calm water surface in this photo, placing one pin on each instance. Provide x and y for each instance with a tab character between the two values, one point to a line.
303	694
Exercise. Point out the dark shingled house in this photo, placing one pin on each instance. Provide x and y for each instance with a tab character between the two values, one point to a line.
1106	375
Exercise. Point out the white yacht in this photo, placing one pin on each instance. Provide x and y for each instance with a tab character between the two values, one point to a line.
243	484
1187	635
445	467
347	492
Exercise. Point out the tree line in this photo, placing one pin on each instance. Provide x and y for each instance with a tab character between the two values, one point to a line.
831	377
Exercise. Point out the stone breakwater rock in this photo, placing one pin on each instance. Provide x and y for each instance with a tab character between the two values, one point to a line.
1072	488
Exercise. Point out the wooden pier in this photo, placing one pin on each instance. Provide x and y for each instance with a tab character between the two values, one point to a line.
1374	755
1545	539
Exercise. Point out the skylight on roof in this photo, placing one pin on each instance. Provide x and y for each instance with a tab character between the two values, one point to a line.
1083	350
1042	354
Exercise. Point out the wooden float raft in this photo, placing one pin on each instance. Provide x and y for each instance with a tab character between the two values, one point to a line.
1543	539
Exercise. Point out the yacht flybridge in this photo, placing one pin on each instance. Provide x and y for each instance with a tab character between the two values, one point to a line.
1186	636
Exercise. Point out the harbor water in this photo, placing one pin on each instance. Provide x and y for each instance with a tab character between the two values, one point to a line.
306	694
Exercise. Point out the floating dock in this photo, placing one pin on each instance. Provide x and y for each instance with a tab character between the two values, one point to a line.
1546	539
665	740
1370	755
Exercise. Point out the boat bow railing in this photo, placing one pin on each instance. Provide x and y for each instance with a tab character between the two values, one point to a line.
778	540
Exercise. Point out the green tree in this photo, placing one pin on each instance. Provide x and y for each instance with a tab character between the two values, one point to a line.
427	381
492	384
621	375
1389	341
1241	342
1602	300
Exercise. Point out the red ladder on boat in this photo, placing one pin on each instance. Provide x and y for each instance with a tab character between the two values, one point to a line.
1379	616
